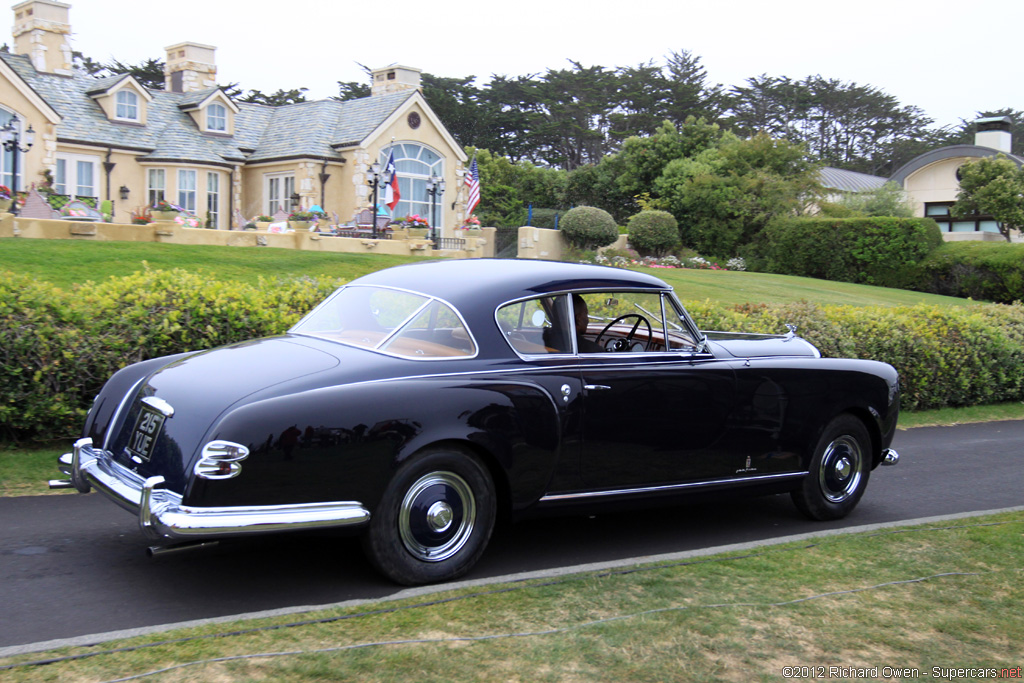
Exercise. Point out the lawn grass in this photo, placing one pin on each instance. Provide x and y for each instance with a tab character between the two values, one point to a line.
943	595
65	263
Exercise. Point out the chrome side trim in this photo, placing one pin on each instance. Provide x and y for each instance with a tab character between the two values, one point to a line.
583	495
163	517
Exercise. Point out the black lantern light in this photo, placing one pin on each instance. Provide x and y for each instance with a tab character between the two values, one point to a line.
378	177
11	137
435	188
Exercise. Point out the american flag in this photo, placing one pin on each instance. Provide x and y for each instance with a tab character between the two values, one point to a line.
473	183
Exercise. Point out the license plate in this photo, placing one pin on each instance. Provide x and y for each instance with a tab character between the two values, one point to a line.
147	428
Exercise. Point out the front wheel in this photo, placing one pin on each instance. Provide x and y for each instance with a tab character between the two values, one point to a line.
434	520
839	471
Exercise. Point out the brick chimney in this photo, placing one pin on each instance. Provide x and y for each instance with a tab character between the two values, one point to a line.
190	67
394	79
994	132
41	31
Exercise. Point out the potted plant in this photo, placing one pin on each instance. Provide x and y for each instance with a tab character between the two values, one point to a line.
415	225
141	216
163	210
5	198
262	221
471	226
301	220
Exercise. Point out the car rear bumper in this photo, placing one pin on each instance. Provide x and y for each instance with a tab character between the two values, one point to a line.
163	517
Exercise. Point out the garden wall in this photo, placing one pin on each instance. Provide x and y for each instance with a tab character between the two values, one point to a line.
400	245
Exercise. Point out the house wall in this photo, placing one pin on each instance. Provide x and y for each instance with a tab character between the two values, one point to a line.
934	183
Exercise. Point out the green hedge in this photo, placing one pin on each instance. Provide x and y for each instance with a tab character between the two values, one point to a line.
989	271
58	347
874	250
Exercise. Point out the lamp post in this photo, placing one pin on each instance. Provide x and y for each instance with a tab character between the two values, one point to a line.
378	177
11	137
435	187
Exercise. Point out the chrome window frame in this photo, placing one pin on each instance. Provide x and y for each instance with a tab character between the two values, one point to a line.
684	315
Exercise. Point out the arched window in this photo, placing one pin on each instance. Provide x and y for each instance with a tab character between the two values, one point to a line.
415	164
127	105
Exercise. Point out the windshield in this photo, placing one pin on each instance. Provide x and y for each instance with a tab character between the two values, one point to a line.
394	321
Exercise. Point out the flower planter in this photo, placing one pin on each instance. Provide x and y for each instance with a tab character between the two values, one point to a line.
417	233
163	215
5	205
473	232
299	225
262	225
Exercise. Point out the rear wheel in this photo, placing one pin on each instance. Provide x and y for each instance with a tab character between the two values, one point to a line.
839	471
435	518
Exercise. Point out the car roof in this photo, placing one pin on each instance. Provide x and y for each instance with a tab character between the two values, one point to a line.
494	281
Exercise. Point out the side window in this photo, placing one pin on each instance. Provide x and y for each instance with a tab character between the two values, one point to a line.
537	326
619	322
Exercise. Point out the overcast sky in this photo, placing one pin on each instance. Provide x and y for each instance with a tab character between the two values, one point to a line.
950	59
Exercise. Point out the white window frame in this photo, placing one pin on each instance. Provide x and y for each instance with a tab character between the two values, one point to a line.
77	175
278	189
213	199
156	185
217	118
415	162
126	108
187	189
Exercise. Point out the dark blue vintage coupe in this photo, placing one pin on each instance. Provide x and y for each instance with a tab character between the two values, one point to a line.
419	404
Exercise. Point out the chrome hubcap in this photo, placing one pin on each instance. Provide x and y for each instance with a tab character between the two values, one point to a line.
437	516
841	469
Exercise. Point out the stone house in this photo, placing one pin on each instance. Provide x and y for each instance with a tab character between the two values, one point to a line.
193	145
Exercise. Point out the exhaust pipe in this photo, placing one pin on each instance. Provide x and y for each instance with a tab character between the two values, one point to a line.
156	551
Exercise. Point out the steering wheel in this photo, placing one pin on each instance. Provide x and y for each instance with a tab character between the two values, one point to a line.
625	343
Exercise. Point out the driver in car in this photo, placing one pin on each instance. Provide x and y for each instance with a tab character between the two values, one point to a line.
581	315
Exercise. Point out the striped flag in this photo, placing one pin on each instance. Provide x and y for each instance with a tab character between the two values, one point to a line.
391	193
473	183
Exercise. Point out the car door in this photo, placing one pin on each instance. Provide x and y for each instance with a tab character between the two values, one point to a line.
655	403
653	419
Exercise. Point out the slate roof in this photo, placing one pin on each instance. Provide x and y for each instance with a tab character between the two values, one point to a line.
262	133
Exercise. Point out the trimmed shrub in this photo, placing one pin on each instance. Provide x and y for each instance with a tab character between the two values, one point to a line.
588	227
653	233
43	356
945	356
989	271
57	348
876	250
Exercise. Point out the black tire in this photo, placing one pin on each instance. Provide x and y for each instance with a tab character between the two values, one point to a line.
839	471
434	520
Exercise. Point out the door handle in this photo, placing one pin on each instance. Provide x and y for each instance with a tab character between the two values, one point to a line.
595	387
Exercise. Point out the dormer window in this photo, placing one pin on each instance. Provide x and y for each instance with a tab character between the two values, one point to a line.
217	118
127	103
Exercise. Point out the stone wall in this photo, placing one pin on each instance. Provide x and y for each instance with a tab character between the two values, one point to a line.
172	233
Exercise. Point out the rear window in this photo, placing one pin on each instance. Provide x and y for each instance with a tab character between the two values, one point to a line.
393	321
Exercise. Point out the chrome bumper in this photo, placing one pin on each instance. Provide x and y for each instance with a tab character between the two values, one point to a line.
163	518
890	457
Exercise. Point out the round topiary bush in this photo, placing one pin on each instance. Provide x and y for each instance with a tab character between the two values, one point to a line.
588	227
653	233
